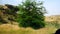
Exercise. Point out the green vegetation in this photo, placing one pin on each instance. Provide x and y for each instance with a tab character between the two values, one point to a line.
31	14
54	24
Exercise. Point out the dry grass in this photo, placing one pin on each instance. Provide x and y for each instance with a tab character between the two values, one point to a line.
14	29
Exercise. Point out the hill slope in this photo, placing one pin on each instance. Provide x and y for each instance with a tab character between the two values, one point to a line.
52	18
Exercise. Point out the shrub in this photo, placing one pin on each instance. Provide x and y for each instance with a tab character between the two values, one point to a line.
30	15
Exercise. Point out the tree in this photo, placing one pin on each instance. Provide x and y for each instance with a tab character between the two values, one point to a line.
31	14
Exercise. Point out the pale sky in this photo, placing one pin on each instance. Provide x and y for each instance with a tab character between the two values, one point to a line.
52	6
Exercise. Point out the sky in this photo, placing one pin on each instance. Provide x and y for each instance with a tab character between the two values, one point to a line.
52	6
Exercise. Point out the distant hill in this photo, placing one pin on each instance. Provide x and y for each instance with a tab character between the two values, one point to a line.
52	18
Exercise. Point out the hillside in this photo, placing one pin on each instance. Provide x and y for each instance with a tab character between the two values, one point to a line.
8	13
52	18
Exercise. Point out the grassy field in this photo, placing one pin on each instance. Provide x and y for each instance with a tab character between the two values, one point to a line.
14	29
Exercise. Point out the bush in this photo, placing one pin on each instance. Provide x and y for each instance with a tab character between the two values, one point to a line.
30	15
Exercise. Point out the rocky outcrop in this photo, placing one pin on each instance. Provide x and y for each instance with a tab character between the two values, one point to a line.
8	13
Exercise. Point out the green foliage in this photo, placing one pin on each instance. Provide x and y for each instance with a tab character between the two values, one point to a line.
54	24
31	14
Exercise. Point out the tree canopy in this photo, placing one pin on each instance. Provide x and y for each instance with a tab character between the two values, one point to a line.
31	14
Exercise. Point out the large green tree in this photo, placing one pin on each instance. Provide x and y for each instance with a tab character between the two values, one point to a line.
31	14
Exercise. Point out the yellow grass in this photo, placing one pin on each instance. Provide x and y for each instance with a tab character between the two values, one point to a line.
14	29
